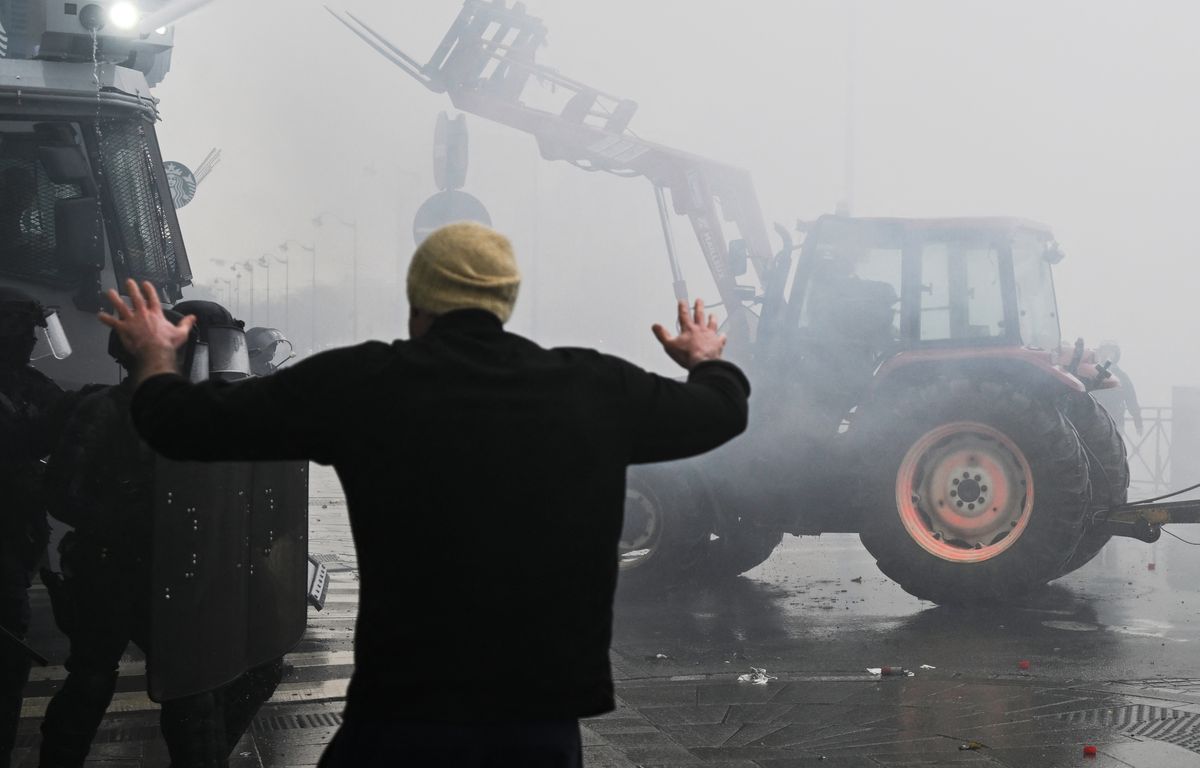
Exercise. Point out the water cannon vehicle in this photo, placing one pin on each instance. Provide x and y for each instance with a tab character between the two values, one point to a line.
85	204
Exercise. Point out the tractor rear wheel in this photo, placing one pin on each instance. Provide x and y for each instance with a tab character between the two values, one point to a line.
1109	467
666	528
973	491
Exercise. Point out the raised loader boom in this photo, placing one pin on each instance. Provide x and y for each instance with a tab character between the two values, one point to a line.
487	65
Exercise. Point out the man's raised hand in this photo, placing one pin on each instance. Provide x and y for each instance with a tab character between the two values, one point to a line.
698	339
145	332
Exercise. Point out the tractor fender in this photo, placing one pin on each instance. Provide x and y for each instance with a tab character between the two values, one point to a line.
1036	368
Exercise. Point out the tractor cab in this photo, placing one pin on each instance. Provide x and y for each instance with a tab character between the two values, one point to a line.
881	286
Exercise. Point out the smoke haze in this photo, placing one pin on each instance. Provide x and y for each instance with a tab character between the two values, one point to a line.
1078	114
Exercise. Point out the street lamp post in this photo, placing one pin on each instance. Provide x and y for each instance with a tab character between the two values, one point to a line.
264	261
287	290
238	275
312	249
352	225
227	294
249	267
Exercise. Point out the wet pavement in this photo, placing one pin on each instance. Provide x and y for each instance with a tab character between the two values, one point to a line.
1111	654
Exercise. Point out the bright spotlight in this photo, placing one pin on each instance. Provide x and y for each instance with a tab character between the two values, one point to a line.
124	15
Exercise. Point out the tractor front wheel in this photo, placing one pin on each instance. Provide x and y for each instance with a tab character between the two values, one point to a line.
973	491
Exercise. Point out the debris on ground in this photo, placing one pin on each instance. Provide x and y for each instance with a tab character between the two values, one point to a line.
857	580
757	676
1023	665
658	657
1089	751
890	672
927	666
971	746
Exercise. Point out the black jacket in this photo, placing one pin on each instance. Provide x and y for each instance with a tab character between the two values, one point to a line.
485	478
32	411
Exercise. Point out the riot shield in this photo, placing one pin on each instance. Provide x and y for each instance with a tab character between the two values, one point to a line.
229	572
278	588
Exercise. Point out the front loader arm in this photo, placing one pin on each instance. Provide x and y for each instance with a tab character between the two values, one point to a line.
486	63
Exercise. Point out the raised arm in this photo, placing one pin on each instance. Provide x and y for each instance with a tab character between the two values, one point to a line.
674	420
293	414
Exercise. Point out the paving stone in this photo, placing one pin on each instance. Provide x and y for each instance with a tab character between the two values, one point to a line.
736	693
605	757
589	738
706	735
651	737
659	694
1059	757
661	754
606	728
686	715
1152	753
752	733
819	692
817	761
760	713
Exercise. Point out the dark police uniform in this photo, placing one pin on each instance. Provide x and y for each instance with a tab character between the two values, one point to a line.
32	408
485	478
29	403
102	483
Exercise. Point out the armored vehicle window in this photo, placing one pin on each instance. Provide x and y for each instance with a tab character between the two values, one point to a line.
961	295
29	201
150	245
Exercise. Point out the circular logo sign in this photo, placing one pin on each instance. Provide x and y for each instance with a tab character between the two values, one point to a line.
182	182
447	208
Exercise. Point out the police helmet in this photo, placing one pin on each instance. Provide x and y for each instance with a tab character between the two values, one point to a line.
20	313
221	340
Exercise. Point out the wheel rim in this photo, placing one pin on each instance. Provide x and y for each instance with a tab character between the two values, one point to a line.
640	530
964	492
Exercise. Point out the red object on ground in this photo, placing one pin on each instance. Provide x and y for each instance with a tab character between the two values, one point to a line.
1022	664
1089	750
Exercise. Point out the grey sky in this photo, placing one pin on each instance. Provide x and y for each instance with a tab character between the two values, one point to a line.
1079	114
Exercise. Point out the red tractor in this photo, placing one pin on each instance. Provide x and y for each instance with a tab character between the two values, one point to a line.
909	388
909	384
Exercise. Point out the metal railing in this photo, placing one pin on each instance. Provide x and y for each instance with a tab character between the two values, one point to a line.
1149	452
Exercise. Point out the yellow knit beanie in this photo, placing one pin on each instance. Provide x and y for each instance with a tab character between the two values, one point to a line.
464	266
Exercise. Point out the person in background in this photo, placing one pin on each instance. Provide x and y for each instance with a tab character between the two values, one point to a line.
1122	399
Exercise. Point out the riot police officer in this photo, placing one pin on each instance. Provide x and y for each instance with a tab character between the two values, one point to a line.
265	346
30	412
104	490
102	479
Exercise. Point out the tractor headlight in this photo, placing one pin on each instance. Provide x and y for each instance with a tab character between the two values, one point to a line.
124	15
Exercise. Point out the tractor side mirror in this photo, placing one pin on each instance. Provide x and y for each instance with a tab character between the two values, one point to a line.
1053	253
64	165
739	257
79	233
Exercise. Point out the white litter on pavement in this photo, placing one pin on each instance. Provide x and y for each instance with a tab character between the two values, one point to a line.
756	676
